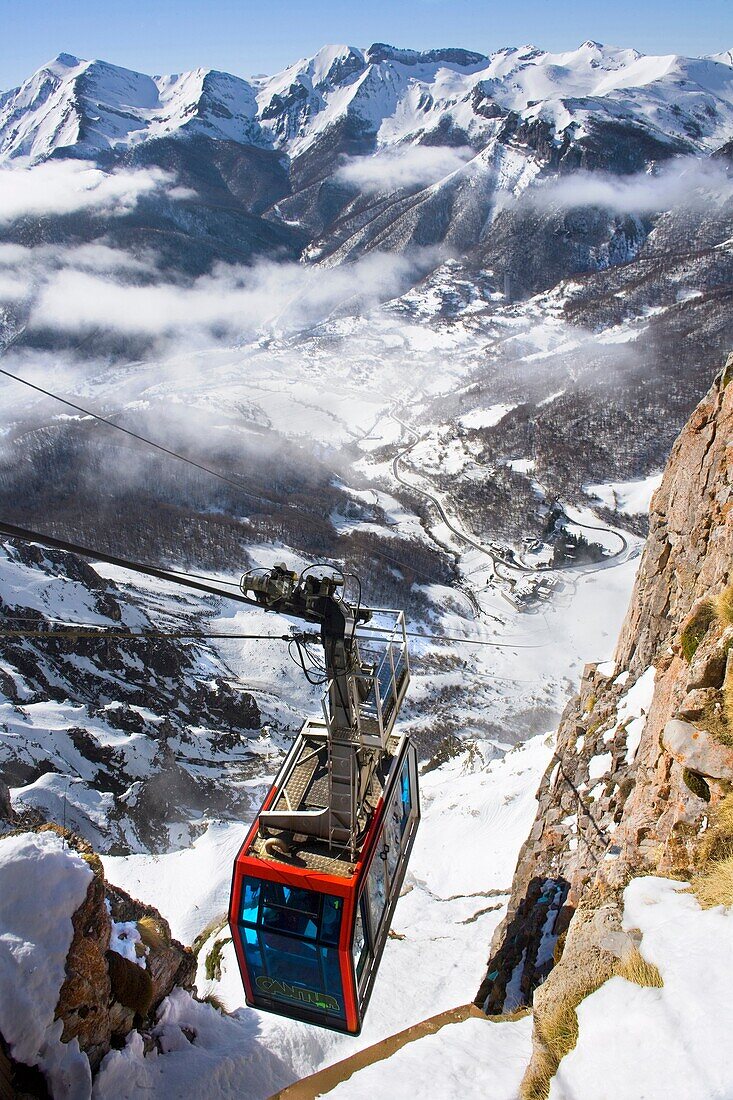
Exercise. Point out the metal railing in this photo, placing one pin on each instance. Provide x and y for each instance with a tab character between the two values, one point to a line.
379	687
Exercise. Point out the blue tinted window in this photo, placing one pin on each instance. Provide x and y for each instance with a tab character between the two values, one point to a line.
290	909
250	900
392	838
405	793
331	919
283	957
331	971
291	960
299	973
377	889
253	955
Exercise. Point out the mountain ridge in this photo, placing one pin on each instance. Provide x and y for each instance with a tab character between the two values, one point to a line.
136	107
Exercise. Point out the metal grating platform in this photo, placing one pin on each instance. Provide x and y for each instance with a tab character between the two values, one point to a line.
307	789
296	794
315	857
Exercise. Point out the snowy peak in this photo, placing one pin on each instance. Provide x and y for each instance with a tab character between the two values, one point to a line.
91	107
384	94
62	64
723	58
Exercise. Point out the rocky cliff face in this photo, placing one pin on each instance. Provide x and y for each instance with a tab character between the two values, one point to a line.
644	751
118	963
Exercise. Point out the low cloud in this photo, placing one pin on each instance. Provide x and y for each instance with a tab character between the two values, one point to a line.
68	186
686	181
94	256
407	166
231	302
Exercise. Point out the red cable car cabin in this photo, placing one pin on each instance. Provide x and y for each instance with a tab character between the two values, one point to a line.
309	914
309	932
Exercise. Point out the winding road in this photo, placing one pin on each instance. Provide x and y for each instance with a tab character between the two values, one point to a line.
498	562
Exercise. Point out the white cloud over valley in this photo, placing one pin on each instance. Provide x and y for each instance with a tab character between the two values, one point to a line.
405	166
685	181
236	301
68	186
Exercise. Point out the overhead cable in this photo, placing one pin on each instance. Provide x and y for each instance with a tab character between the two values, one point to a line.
304	517
26	535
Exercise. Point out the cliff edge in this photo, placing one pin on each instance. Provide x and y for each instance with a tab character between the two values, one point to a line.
643	763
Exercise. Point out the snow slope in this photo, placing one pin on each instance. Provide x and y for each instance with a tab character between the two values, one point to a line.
473	1060
668	1043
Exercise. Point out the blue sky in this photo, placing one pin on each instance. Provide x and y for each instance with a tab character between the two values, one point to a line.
249	36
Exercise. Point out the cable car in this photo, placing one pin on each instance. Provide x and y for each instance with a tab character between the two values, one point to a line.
309	929
319	874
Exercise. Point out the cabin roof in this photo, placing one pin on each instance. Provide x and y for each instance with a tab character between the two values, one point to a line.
307	789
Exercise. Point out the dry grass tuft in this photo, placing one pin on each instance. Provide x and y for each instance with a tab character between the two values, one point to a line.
724	735
696	626
556	1027
715	885
714	718
724	606
153	933
717	844
636	969
538	1078
211	997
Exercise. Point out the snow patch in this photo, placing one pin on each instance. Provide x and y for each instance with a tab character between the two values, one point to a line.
485	418
124	939
633	709
668	1043
631	497
42	884
600	765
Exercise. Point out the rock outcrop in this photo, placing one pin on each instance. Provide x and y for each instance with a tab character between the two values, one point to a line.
107	994
644	752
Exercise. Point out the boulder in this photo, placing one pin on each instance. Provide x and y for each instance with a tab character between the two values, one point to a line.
131	984
105	995
697	750
168	962
707	668
698	701
84	998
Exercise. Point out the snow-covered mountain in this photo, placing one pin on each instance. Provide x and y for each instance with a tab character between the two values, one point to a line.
87	108
124	741
356	150
389	96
